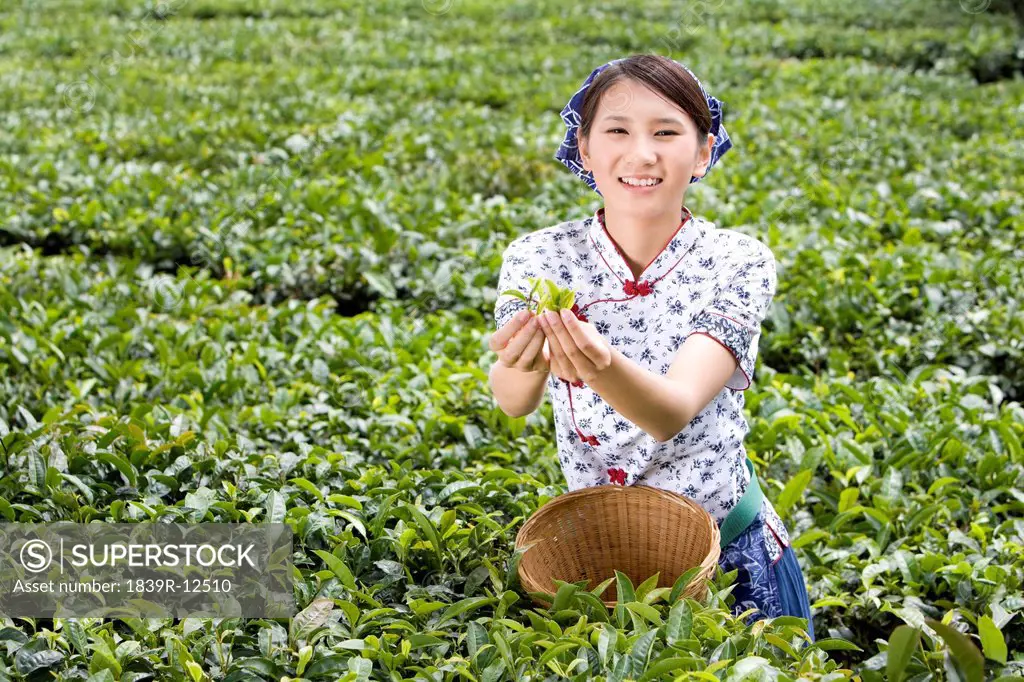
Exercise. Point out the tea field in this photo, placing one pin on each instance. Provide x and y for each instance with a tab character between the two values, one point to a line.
248	264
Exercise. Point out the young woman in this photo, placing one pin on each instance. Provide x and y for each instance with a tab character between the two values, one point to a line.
647	371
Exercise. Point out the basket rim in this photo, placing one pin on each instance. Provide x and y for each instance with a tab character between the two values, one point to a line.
555	504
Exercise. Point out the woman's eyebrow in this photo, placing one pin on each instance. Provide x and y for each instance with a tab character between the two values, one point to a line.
664	119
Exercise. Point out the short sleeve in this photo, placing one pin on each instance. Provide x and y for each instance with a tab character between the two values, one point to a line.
733	318
515	269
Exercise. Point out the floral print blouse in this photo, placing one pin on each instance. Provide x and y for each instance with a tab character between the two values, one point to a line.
705	280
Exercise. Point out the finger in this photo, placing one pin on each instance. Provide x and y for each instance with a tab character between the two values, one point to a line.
578	333
549	355
516	347
558	357
500	338
534	345
570	355
556	367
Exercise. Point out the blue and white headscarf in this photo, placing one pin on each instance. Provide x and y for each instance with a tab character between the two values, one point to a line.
569	153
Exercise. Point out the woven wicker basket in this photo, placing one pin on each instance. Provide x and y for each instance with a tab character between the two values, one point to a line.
640	530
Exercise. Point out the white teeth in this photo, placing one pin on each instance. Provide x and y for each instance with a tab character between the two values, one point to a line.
640	183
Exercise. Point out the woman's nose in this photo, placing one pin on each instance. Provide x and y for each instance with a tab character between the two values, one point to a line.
643	152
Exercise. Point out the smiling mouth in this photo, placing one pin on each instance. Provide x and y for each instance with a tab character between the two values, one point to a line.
645	184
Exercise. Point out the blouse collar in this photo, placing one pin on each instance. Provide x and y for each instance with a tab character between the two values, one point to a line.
609	254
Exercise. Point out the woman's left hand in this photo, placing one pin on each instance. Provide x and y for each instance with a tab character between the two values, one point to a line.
578	351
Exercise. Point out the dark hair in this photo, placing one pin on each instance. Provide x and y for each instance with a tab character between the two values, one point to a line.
658	73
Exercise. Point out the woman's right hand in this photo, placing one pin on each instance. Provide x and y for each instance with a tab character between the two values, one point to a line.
521	344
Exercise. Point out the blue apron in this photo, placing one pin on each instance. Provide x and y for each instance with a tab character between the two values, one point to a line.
775	590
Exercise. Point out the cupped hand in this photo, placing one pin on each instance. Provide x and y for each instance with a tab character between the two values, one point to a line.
578	351
521	344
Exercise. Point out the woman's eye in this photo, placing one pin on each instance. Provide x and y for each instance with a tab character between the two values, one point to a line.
670	132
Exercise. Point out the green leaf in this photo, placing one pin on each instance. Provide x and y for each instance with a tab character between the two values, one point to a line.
339	568
458	608
656	595
645	611
620	669
306	621
745	668
36	471
194	671
962	649
305	655
361	667
680	621
514	292
428	530
476	637
992	641
564	596
504	649
847	498
308	487
332	666
381	285
624	588
599	589
682	582
102	676
809	536
599	610
793	491
642	649
555	650
494	671
103	658
1012	443
345	501
275	506
646	586
535	284
941	483
356	522
420	640
6	509
27	660
422	607
781	643
605	643
666	665
552	293
76	636
921	516
836	644
902	645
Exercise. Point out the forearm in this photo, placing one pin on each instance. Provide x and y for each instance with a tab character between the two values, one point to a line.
653	402
518	392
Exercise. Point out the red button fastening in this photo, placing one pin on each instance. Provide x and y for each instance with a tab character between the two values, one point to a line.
633	288
618	476
589	440
578	313
578	383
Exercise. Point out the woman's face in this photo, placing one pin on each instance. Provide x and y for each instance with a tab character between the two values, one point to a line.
629	138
